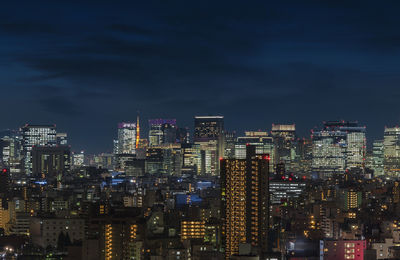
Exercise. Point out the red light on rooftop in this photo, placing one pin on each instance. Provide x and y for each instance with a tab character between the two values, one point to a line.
290	179
304	177
4	170
283	177
266	157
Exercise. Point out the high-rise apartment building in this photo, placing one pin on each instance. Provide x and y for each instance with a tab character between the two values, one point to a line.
245	202
36	135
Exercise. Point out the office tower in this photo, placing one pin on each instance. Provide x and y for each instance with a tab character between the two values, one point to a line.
208	127
261	140
36	135
338	146
284	137
155	132
282	188
169	133
50	163
391	151
165	159
378	157
303	156
356	147
230	141
126	138
104	161
62	138
209	134
162	131
245	202
10	154
191	158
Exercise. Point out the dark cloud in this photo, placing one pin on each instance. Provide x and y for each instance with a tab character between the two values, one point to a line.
89	65
60	105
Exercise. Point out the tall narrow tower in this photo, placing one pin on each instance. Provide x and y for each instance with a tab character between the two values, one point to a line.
137	131
245	202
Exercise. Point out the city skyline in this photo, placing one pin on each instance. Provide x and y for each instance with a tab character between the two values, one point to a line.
86	66
144	132
192	130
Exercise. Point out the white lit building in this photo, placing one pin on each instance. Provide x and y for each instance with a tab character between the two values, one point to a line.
126	138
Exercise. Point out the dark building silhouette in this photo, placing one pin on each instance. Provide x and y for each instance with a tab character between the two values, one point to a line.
50	163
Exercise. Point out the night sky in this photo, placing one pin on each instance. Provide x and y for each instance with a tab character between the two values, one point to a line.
86	67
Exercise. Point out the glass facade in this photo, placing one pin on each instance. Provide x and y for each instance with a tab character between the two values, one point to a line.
391	150
340	145
36	135
126	138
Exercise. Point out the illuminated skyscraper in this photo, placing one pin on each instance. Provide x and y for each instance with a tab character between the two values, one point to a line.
378	157
340	145
209	134
137	132
126	138
208	127
36	135
162	131
230	141
284	137
261	140
245	202
356	147
10	154
391	150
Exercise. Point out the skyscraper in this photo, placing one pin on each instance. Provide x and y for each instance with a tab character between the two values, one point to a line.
245	202
391	150
126	138
50	163
261	140
162	131
378	157
284	137
209	134
340	145
36	135
208	127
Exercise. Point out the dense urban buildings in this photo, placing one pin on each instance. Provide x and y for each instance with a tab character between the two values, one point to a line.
207	193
